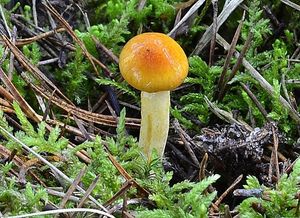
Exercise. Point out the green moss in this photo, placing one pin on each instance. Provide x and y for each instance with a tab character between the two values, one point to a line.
275	202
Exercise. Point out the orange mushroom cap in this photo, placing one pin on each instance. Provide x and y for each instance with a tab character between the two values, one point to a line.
153	62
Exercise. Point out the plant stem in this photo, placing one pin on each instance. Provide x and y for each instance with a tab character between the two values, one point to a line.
155	122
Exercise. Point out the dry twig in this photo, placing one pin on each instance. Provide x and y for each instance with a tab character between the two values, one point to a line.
206	37
228	190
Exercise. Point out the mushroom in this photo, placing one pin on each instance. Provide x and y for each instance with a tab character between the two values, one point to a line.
155	64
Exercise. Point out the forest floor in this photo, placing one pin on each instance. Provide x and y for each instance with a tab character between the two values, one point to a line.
69	123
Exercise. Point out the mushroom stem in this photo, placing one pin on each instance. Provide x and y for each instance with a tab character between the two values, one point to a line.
155	122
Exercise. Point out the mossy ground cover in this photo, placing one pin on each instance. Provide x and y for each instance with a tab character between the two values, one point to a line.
69	123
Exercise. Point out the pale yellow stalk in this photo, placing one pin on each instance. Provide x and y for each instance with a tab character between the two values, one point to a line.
155	122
